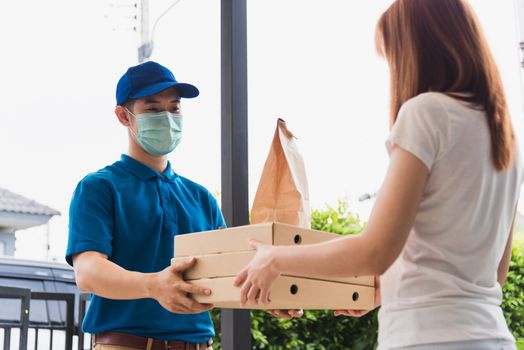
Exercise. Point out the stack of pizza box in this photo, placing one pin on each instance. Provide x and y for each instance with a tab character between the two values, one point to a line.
222	254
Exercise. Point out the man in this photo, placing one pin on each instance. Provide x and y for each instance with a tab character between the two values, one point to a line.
123	220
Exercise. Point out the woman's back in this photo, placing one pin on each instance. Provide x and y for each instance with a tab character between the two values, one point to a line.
444	284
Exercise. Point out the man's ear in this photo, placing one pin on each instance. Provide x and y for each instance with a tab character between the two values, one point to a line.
122	115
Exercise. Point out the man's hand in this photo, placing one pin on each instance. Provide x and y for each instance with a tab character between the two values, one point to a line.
286	314
166	286
171	291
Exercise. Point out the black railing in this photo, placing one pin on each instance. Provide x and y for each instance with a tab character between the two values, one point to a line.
68	326
23	323
82	307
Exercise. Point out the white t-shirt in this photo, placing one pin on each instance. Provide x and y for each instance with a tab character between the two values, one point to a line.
443	286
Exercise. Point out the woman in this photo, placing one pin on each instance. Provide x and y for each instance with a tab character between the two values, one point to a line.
439	235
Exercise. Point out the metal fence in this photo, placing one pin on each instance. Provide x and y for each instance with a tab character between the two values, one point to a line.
61	310
82	307
22	323
68	326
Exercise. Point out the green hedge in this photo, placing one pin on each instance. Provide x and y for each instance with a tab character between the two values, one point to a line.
513	292
320	330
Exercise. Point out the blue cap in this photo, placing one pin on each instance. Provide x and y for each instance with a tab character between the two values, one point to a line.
147	79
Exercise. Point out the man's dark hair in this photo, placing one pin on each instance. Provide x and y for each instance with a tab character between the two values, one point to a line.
129	104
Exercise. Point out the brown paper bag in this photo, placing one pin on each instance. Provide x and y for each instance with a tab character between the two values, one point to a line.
282	193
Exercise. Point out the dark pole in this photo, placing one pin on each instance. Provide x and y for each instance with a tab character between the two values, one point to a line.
235	324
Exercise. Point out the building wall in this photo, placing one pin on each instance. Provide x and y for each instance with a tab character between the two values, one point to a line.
7	241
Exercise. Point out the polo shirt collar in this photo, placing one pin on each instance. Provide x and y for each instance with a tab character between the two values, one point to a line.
169	173
144	172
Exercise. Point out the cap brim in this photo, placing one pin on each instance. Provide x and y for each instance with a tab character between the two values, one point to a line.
184	90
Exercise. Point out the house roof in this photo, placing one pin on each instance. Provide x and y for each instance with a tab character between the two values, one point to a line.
14	203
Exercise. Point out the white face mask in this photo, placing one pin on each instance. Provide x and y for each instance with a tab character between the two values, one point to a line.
159	132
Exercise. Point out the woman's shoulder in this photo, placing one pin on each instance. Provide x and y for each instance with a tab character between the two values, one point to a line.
427	100
425	108
440	108
440	101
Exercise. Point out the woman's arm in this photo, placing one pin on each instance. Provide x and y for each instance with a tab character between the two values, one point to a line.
370	253
502	271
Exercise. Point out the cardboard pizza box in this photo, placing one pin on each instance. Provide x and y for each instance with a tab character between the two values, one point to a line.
230	264
292	293
237	238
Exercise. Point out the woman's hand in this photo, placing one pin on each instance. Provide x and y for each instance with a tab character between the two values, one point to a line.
258	276
351	313
286	314
360	313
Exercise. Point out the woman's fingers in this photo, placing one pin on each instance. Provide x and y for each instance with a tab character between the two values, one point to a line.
296	313
286	314
264	296
241	277
252	295
243	293
272	313
255	244
341	313
351	313
282	314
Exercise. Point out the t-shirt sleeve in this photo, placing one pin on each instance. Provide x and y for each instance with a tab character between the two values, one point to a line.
91	219
420	128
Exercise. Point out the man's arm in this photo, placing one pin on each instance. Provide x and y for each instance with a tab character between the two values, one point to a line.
96	274
502	271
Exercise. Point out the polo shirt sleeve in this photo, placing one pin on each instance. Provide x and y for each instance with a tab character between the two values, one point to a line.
218	218
91	218
421	129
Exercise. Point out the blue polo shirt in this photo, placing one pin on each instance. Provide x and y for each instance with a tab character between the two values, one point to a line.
132	213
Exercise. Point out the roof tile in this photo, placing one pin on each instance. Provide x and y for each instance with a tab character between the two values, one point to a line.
15	203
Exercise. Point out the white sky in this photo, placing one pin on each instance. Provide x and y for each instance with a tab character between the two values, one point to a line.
312	63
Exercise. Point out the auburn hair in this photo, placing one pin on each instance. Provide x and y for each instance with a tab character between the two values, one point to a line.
439	46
